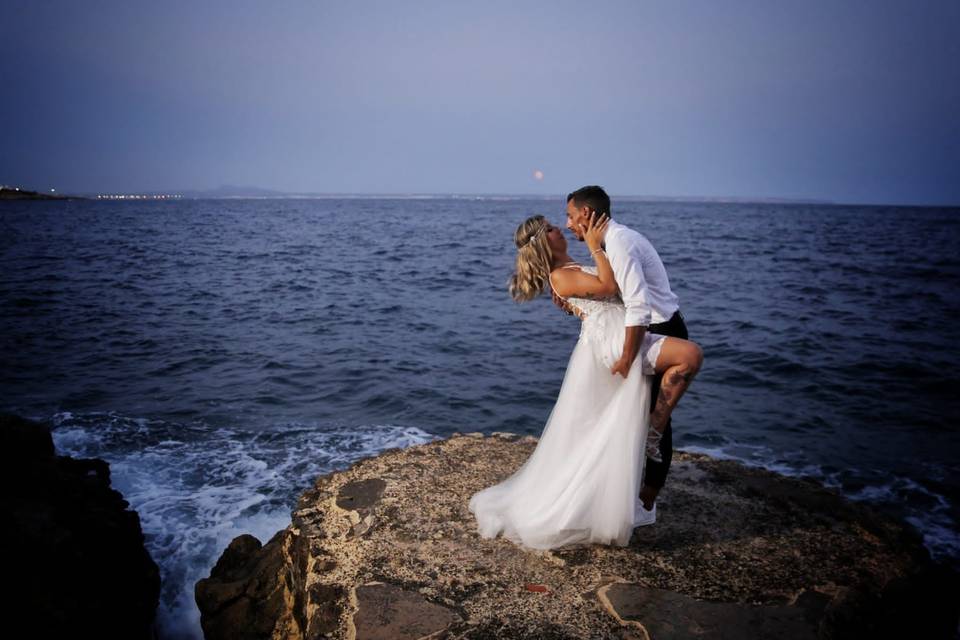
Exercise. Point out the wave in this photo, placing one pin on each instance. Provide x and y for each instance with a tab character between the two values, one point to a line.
197	487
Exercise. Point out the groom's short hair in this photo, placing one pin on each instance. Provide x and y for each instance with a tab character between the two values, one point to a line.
592	196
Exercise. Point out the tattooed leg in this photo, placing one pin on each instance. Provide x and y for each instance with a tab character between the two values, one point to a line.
676	378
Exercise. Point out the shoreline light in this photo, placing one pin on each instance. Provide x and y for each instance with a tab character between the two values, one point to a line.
138	196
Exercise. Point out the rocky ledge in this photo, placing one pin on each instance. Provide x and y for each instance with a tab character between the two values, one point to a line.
388	549
74	562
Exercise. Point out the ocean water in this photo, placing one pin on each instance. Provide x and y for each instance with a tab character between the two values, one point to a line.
220	354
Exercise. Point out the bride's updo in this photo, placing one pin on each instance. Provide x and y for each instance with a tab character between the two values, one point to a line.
533	259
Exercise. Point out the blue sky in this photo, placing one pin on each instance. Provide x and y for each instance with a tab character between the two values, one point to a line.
849	101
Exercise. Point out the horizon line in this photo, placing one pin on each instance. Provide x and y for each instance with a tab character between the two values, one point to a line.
267	194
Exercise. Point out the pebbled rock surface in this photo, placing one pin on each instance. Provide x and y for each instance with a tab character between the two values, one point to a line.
388	549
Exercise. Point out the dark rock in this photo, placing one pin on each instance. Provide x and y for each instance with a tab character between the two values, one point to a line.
387	612
326	615
361	495
235	563
247	590
668	615
76	561
24	442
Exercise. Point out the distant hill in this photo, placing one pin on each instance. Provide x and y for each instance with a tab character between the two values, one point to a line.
234	191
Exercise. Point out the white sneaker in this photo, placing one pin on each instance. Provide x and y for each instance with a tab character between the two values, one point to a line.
642	517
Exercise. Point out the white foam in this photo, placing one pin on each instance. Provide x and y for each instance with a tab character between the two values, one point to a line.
196	489
939	536
759	456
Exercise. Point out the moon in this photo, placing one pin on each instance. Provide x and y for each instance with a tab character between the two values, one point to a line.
537	174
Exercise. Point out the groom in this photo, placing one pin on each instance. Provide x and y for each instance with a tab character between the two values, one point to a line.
650	306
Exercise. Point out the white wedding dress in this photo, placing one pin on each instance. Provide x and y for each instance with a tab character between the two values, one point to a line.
580	484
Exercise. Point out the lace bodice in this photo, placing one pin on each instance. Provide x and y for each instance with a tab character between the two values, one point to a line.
586	307
601	318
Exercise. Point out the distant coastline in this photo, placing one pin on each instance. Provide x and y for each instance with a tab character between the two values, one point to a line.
7	193
249	192
233	192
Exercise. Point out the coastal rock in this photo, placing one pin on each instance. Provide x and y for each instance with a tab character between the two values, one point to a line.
388	549
75	561
388	612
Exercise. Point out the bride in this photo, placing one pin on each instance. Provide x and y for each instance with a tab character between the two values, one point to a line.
580	484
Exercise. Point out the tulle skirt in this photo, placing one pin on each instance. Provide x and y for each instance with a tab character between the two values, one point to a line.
580	484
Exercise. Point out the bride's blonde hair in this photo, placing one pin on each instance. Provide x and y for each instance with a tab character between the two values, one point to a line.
533	259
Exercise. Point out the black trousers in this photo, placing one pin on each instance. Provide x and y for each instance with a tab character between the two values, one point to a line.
655	473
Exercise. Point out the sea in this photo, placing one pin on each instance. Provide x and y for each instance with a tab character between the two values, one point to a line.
221	354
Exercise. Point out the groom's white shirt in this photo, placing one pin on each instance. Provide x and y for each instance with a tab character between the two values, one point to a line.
640	274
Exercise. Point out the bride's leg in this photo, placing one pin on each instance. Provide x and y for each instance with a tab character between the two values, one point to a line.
679	361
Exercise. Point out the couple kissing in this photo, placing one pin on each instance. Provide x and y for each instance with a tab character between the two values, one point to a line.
605	450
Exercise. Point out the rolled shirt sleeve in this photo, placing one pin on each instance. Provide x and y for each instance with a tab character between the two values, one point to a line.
628	272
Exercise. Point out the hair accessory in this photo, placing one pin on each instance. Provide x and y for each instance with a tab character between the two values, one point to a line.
535	234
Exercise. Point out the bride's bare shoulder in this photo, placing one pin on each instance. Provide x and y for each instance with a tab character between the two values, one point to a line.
564	277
